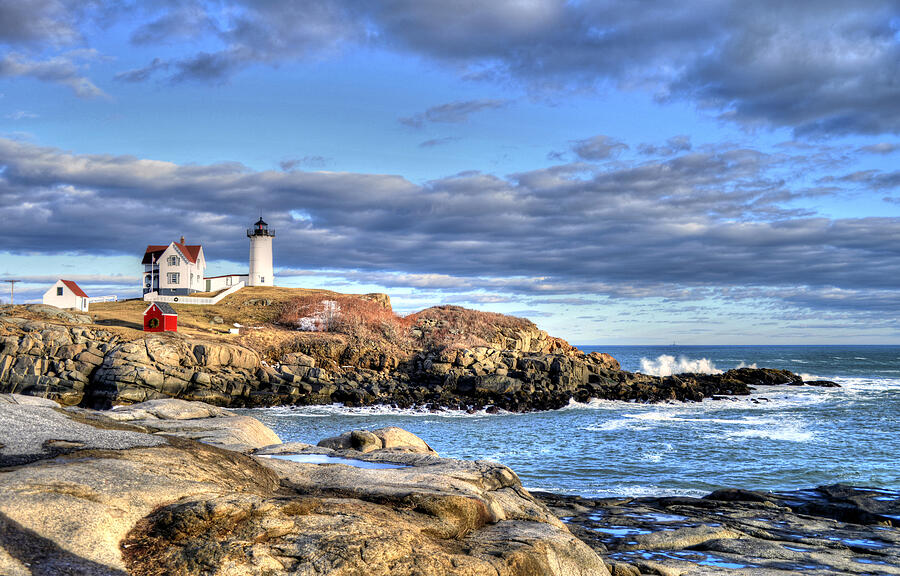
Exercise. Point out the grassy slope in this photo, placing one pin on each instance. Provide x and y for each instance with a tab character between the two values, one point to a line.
258	308
194	320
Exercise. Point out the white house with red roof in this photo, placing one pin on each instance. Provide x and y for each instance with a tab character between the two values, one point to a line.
67	294
175	269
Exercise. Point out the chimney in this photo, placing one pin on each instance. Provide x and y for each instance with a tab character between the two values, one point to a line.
182	240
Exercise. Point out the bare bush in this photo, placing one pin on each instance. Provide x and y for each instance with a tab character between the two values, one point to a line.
363	319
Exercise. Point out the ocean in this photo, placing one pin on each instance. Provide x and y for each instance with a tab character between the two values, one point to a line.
780	438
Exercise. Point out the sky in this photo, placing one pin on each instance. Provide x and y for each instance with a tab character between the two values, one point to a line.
619	172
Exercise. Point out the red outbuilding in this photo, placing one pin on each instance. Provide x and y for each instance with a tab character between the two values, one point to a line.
160	317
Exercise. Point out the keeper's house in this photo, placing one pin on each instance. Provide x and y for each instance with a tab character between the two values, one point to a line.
67	294
174	270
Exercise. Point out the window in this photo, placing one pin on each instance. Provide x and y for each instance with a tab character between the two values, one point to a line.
173	277
228	281
262	279
173	261
59	290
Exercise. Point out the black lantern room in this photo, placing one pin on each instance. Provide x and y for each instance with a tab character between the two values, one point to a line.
260	229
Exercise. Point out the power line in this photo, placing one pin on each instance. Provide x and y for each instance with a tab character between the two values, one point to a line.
12	292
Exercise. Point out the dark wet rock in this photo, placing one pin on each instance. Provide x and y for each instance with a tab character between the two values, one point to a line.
846	504
737	495
821	383
829	530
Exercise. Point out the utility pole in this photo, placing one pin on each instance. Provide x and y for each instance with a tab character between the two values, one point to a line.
12	292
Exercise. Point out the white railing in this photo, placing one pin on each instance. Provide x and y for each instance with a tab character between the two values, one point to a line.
95	299
155	297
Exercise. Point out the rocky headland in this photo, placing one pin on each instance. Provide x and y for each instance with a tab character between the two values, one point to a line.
445	357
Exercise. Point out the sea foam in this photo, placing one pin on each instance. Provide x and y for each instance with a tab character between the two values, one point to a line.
375	410
665	365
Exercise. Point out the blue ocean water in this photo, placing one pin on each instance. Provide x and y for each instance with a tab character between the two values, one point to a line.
780	438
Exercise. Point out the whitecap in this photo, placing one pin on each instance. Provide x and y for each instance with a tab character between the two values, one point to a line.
665	365
785	434
866	385
615	425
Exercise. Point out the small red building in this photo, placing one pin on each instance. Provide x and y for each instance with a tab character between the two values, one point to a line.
160	317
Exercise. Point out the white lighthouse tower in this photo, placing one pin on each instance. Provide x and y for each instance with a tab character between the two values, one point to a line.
261	271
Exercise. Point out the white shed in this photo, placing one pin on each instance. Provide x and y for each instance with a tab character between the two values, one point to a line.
67	294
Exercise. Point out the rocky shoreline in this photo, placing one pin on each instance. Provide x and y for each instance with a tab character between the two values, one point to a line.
181	488
132	491
63	358
828	530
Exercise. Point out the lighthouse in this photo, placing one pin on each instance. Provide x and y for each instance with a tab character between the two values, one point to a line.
261	271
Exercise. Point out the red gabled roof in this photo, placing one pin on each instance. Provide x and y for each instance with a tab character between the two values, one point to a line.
154	250
190	252
164	308
74	288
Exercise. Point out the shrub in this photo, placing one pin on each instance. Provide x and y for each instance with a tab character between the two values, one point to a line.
458	327
357	317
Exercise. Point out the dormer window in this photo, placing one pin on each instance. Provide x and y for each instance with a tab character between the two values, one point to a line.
173	260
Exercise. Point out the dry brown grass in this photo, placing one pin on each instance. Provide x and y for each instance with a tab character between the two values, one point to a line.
256	308
458	327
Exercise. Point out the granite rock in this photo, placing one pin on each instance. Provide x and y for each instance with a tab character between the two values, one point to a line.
120	496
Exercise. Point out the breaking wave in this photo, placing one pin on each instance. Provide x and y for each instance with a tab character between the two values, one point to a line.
666	365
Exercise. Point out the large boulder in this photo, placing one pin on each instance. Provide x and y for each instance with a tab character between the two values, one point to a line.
390	438
198	421
393	438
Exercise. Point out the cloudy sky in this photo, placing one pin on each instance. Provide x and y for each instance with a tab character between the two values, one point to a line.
619	172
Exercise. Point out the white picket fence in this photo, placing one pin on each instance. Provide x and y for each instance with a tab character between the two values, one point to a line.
155	297
95	299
